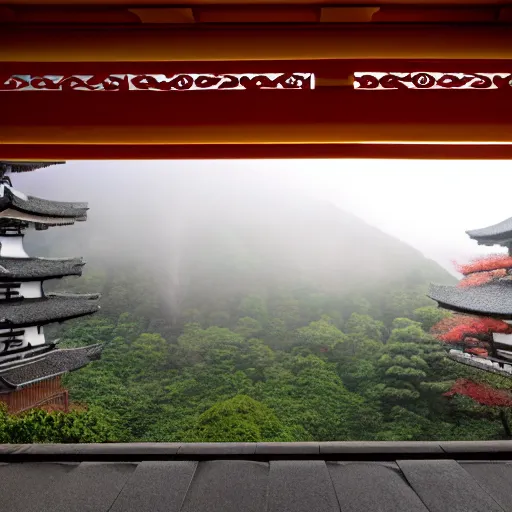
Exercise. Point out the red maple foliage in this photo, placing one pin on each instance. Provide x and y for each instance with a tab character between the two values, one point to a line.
480	393
493	262
449	322
458	327
481	278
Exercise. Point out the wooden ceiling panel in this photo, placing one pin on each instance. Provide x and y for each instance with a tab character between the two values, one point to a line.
250	13
181	3
436	14
257	14
266	42
348	14
167	15
59	15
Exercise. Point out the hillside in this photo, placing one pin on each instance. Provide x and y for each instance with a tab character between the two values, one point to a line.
206	244
234	310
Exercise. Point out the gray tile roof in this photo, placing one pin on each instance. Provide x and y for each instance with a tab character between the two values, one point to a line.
38	206
148	481
227	486
363	486
51	364
23	269
496	231
53	308
492	299
301	486
15	166
244	485
14	219
444	476
494	478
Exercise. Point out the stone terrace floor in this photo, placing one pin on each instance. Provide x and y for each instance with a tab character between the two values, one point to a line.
258	477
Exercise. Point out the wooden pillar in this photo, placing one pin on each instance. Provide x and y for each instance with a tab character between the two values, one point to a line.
66	400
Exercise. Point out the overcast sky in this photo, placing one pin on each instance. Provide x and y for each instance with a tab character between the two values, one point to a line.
428	204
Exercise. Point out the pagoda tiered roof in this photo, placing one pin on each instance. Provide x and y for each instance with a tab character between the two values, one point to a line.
492	235
493	299
52	364
41	211
28	269
55	307
16	166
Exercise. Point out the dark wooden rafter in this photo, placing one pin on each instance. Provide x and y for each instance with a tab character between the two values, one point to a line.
140	13
259	151
332	121
265	117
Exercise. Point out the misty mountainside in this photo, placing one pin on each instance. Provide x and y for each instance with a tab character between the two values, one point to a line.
194	242
237	310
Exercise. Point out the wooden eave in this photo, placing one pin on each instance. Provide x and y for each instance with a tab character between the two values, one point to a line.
235	11
330	39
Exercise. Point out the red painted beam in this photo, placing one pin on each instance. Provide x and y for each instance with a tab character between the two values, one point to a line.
328	68
327	115
255	151
212	42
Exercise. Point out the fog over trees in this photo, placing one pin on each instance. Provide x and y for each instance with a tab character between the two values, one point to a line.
240	305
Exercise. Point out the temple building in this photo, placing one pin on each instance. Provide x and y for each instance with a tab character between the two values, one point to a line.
30	365
497	234
481	331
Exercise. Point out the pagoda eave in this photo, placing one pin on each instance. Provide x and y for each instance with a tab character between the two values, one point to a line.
20	166
32	269
54	308
490	242
12	214
497	233
38	206
472	312
491	300
53	364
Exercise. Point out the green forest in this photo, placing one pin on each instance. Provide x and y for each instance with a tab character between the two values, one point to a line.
298	323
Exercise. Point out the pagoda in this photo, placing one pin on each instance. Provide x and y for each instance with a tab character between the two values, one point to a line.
481	330
30	365
497	234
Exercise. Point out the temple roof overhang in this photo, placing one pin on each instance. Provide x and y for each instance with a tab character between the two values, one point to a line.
39	206
493	299
56	307
41	211
19	166
31	269
333	41
493	235
232	12
52	364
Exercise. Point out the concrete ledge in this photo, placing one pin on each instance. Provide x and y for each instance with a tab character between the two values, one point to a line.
381	447
288	448
341	451
217	449
477	447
